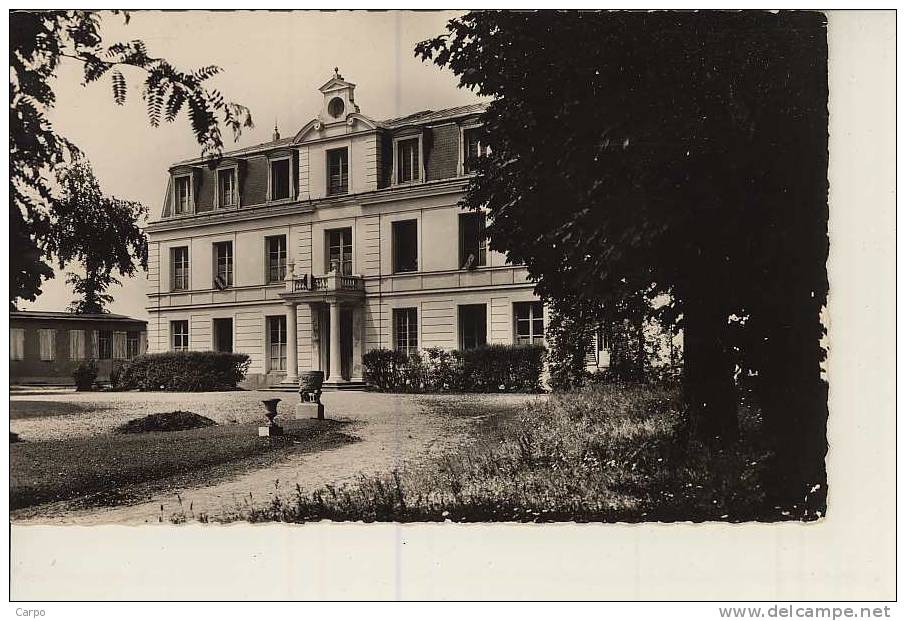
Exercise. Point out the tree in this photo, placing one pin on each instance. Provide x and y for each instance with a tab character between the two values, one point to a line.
39	42
99	232
680	153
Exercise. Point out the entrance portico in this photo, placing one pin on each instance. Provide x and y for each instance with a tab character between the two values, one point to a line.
337	305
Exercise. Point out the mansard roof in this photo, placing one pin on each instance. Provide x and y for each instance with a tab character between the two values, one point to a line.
433	116
417	118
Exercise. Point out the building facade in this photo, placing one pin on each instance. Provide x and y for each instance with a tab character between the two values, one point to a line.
45	347
310	250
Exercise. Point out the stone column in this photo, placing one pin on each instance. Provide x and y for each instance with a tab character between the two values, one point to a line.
358	342
335	372
292	346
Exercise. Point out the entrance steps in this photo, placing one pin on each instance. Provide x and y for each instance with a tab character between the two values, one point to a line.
327	387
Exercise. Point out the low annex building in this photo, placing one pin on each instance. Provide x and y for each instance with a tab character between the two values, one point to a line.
307	251
45	347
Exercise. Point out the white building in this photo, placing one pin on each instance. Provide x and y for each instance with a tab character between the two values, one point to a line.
308	251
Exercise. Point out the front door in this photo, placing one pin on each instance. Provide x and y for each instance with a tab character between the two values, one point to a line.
223	335
346	343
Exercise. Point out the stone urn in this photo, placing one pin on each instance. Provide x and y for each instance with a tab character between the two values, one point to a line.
310	384
272	429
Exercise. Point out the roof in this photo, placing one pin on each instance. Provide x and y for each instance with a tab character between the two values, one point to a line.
424	116
73	316
432	116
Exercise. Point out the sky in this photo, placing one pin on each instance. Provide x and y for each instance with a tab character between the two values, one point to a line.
273	62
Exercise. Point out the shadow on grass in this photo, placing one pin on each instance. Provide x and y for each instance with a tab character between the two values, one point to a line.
19	409
117	469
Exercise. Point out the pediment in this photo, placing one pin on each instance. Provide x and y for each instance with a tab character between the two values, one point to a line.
336	84
316	128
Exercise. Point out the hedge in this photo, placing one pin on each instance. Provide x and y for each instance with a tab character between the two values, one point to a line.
183	371
493	368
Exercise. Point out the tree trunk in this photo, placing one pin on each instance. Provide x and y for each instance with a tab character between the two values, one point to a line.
709	391
793	399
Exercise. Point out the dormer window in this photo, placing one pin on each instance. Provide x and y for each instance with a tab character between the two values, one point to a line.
280	182
472	149
182	197
338	171
408	160
227	196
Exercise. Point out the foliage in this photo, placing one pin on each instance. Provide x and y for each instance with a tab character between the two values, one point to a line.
85	374
605	453
39	42
568	333
382	368
184	371
166	421
97	231
493	368
691	161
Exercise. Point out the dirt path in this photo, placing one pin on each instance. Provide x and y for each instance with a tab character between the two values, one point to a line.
392	430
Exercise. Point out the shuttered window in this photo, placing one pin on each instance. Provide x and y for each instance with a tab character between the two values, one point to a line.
77	344
17	343
47	340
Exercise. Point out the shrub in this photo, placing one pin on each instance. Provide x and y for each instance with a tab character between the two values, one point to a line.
167	421
383	369
493	368
183	371
85	374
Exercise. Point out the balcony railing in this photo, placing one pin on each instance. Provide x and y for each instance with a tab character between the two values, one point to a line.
327	283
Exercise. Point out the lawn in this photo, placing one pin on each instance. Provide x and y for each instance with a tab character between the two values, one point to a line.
607	453
104	468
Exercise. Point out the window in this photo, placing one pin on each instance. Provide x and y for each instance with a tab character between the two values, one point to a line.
223	265
339	250
119	345
405	329
179	259
223	334
133	344
17	343
337	171
473	326
179	335
183	194
280	179
529	322
405	246
408	167
471	149
226	188
276	258
335	107
473	245
276	340
76	344
47	340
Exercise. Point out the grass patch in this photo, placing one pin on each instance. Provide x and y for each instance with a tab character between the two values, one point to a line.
54	470
166	421
606	453
21	409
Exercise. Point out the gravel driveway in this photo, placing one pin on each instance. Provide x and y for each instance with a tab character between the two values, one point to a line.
392	430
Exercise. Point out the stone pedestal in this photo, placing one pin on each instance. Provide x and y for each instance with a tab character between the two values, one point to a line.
310	410
270	430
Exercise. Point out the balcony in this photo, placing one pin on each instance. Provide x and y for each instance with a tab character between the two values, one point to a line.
314	288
